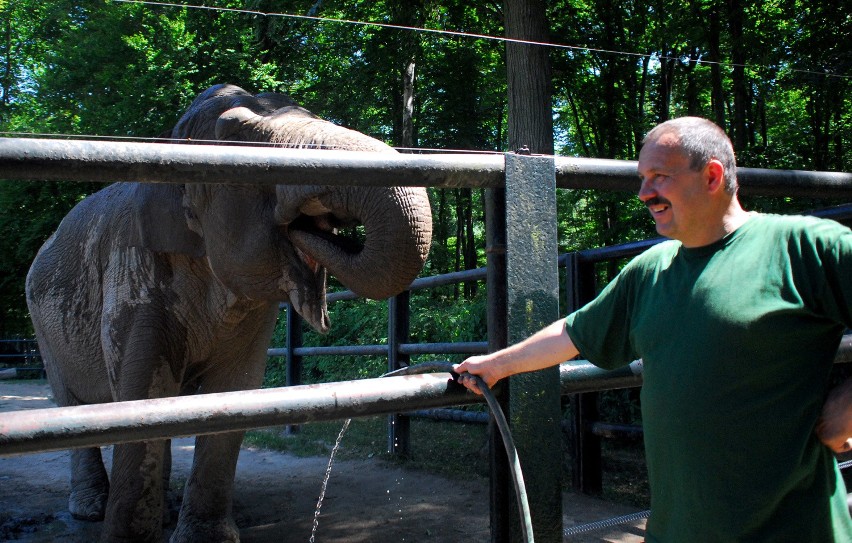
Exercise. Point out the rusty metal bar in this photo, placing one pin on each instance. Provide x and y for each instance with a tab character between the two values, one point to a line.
472	347
581	376
59	428
103	161
107	161
35	430
581	173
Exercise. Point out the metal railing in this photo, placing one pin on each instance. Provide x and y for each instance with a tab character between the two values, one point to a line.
20	359
512	183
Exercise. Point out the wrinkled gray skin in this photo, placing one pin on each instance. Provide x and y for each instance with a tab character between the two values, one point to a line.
153	290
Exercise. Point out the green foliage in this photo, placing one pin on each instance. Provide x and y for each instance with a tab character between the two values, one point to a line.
435	318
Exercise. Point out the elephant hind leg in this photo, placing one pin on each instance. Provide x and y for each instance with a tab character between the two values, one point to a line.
89	485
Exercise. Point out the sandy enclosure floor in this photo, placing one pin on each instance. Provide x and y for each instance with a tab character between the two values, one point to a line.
367	500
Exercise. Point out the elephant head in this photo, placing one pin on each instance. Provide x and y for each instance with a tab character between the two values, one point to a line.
276	243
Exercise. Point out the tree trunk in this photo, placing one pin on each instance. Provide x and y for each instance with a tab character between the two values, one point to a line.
738	76
717	92
693	104
407	13
529	84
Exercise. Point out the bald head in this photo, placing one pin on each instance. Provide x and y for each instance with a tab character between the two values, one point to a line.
701	141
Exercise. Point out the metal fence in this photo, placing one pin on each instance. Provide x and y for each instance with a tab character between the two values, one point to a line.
522	286
20	359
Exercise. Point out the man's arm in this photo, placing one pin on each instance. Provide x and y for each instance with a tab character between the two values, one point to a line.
549	346
834	428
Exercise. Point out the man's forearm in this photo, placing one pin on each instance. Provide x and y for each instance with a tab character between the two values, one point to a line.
549	346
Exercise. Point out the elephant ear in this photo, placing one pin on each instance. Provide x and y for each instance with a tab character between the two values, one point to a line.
236	120
159	222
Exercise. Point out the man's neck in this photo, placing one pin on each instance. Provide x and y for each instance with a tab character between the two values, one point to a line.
734	217
727	219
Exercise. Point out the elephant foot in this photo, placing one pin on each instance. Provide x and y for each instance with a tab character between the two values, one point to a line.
89	485
88	504
190	530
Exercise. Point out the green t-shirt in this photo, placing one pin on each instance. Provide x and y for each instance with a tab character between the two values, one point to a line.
737	339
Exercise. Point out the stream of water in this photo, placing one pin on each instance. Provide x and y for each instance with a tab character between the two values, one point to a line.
326	478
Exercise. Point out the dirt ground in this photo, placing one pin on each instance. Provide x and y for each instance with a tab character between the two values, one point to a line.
367	500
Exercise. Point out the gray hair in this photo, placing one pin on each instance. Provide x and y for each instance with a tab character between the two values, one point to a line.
701	141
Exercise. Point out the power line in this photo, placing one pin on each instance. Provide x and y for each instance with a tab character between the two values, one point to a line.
502	39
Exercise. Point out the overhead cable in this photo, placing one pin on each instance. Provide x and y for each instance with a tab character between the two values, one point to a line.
461	34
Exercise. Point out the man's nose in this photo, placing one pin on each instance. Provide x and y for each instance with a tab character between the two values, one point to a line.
646	190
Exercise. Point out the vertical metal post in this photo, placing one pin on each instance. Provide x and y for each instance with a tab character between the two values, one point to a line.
293	362
586	446
532	303
495	252
399	426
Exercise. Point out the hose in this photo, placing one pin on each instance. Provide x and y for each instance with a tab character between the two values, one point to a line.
505	433
608	523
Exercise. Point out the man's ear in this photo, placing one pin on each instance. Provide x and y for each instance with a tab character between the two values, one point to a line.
714	173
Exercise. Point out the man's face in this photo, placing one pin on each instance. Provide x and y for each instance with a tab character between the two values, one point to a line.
676	196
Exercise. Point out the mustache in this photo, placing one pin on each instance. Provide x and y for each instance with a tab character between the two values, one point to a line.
657	200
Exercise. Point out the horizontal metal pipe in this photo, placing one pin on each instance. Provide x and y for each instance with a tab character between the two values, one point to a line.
107	161
610	430
452	415
612	252
600	429
581	376
473	347
342	350
766	182
581	173
102	161
61	428
476	274
459	347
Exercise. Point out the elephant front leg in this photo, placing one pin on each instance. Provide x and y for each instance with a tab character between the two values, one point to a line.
205	515
89	485
135	505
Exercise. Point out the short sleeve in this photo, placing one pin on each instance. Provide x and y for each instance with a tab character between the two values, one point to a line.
836	262
601	329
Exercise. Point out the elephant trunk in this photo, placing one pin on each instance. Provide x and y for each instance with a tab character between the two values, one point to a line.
397	221
398	228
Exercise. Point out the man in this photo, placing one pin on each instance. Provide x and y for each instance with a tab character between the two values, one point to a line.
737	320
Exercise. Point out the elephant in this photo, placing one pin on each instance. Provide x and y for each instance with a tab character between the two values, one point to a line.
150	290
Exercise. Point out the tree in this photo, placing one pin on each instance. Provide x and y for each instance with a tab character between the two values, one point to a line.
529	77
774	74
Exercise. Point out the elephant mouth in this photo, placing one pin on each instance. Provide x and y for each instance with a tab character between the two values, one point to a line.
308	232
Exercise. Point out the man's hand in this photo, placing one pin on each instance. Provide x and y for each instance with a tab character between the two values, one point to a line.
834	428
476	365
548	347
